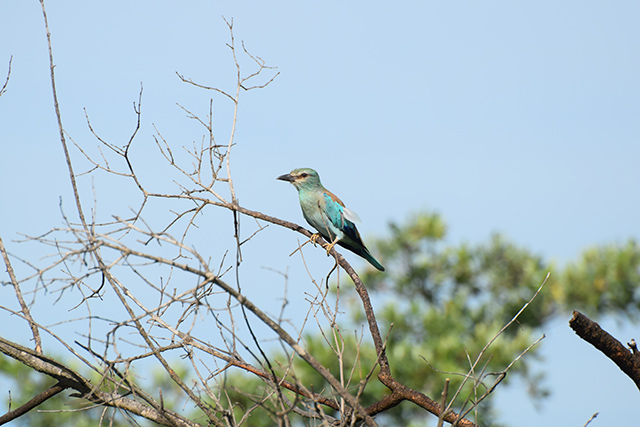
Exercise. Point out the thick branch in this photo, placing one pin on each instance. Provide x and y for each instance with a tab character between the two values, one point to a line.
591	332
37	400
399	391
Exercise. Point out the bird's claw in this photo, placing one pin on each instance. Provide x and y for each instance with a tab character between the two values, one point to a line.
330	246
314	238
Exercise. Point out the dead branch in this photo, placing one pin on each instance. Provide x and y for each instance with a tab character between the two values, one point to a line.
3	90
166	324
63	141
24	309
33	403
592	333
68	378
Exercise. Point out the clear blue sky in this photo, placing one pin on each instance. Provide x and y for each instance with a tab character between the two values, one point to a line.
517	117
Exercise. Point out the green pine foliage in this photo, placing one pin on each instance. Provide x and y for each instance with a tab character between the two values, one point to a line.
443	303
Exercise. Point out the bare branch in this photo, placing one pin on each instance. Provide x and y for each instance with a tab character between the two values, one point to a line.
3	90
72	176
593	417
36	401
67	378
166	292
23	306
592	333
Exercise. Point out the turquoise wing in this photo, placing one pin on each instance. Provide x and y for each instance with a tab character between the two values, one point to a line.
340	221
334	211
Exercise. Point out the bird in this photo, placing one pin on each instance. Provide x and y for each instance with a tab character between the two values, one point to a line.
325	212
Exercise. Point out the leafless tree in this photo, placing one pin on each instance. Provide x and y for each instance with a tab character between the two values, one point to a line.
175	303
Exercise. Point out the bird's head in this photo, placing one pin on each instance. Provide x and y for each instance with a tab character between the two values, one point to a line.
302	178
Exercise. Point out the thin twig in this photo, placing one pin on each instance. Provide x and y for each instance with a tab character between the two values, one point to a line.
67	157
23	306
6	83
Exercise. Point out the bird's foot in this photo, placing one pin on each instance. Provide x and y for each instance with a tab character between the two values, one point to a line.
314	238
330	246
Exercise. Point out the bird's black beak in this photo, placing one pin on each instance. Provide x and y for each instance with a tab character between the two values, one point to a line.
286	177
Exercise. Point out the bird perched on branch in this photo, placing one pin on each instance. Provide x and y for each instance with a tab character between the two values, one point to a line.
325	212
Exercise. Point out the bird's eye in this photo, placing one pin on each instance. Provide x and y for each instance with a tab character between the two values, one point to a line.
304	175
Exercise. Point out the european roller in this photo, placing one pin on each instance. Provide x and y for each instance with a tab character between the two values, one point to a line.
325	212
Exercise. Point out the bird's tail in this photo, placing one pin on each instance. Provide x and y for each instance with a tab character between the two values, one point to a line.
363	252
367	255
